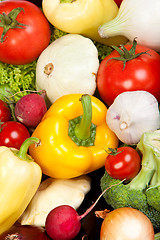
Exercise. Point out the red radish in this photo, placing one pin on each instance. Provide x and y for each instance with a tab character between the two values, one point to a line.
30	109
63	222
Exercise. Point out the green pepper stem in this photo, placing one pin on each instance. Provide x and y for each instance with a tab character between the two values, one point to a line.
22	153
82	130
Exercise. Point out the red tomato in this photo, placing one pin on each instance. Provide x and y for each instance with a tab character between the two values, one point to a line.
141	73
125	164
24	45
5	113
118	2
13	134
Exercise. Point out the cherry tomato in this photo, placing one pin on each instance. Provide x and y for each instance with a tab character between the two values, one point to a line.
23	44
124	164
118	2
140	73
5	113
13	134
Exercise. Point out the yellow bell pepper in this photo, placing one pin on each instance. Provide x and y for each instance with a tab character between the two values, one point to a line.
20	178
82	17
74	137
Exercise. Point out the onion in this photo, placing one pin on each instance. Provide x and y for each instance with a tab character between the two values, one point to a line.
25	232
136	18
126	224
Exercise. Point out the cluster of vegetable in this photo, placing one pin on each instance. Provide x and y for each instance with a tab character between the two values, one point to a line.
75	98
142	191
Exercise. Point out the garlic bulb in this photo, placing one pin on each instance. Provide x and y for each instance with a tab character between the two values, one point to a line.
133	113
136	18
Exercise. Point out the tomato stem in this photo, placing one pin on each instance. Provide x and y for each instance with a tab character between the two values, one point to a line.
9	22
126	55
113	151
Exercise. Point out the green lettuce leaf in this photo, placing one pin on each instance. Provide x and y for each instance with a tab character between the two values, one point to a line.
19	79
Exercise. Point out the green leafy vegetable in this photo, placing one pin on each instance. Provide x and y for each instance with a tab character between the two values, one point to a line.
56	33
17	78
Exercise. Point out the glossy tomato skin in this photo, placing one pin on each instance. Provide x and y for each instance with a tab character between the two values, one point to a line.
124	165
5	113
13	134
141	73
22	46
